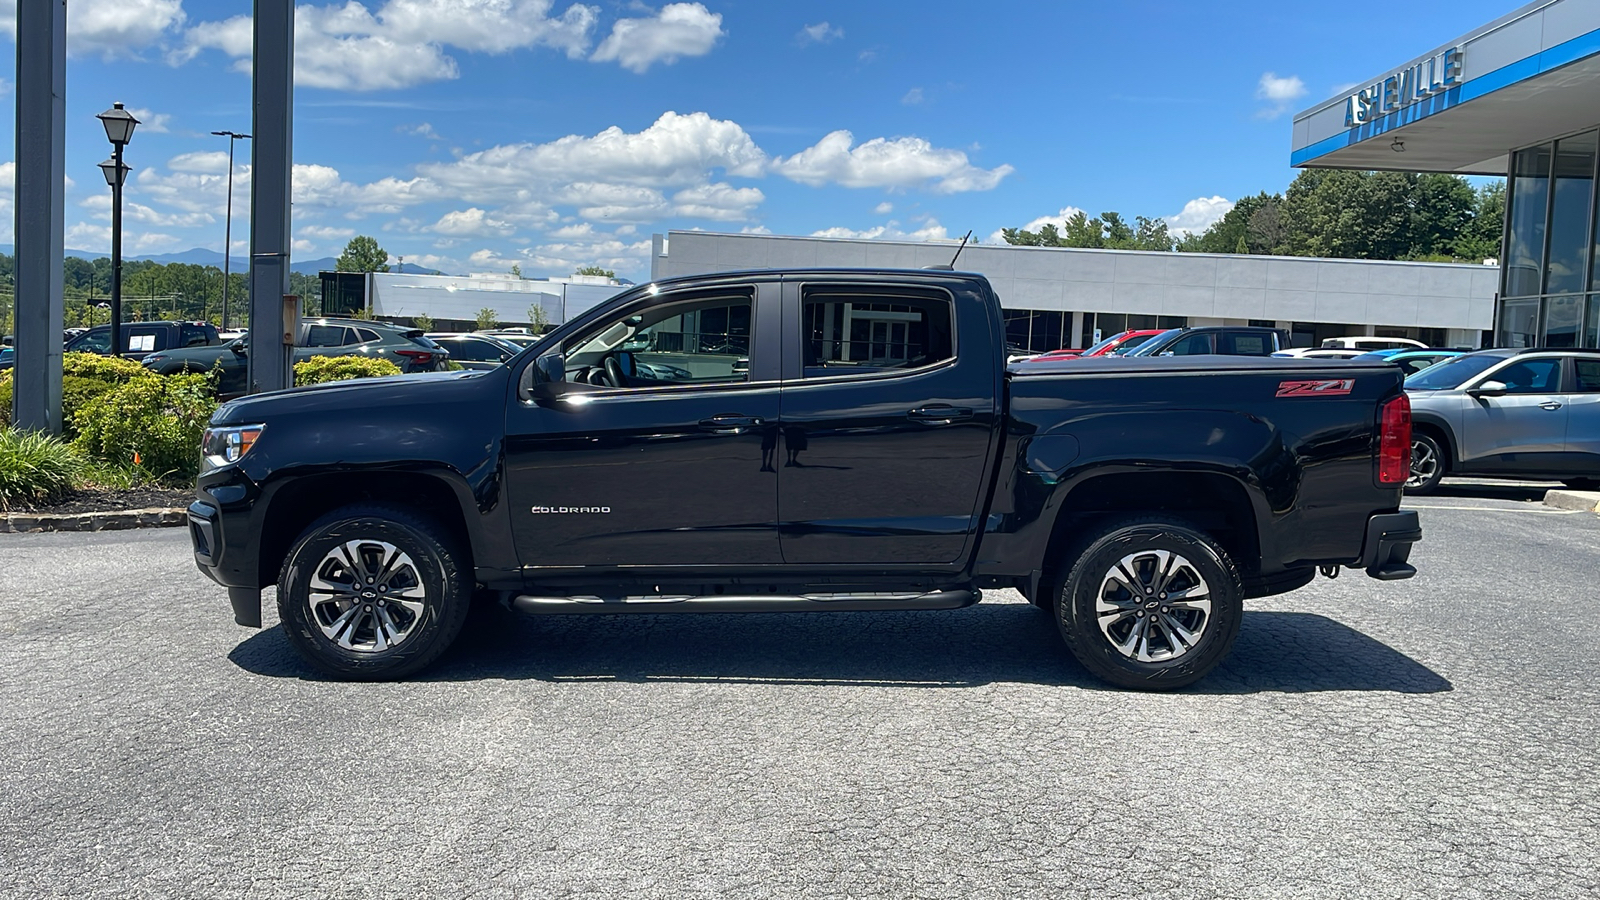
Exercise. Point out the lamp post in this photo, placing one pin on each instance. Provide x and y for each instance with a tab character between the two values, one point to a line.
119	125
227	230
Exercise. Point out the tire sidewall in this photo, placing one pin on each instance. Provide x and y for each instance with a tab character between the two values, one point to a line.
1438	471
443	610
1079	622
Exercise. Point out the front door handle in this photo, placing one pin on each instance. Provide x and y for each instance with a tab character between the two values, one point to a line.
730	424
1550	404
939	414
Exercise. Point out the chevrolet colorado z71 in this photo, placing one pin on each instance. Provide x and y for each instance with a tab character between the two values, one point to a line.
827	440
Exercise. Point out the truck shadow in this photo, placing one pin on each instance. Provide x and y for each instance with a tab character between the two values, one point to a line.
1284	652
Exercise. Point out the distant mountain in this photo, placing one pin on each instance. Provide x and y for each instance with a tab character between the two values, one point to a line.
200	256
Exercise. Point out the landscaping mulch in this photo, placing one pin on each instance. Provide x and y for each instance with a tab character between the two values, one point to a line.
92	500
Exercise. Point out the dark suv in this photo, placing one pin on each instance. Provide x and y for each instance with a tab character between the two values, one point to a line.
140	339
407	348
1225	340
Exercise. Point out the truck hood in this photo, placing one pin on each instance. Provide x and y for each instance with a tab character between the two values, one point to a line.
364	397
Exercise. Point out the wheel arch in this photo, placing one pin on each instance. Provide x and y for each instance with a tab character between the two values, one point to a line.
1440	430
1216	503
301	501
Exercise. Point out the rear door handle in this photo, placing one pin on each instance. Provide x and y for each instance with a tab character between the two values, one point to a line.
939	414
1550	404
730	424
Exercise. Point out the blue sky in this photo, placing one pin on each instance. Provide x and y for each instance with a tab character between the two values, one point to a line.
472	134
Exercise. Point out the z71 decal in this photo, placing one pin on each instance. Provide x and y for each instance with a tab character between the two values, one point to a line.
1334	387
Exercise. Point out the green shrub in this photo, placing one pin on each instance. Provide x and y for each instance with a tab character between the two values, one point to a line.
36	468
110	369
151	423
84	376
321	369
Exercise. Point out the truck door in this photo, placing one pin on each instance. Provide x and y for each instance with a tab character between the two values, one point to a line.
662	450
888	410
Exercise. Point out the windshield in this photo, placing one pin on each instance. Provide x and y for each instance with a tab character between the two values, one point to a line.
1127	347
1103	344
1149	346
1452	373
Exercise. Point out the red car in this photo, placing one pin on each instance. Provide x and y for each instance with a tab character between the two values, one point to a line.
1116	345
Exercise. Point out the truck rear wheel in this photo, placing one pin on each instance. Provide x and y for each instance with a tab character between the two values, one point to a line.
373	591
1150	603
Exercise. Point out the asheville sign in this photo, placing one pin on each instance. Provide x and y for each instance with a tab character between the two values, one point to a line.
1419	81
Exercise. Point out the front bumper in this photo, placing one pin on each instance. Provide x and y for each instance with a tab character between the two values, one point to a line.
1387	549
222	521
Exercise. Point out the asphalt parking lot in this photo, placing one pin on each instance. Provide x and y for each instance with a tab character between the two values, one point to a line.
1434	737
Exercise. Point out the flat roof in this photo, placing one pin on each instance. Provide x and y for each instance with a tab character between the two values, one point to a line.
1527	77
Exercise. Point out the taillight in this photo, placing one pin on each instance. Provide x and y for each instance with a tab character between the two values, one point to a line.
1394	441
417	357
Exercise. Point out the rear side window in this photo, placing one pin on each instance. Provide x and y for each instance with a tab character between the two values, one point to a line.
328	336
847	333
193	336
1249	344
1588	375
92	342
366	335
476	351
146	340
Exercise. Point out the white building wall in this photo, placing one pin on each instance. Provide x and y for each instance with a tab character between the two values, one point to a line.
460	297
1194	285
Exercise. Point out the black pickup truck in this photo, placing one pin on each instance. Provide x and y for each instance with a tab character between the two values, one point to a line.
825	440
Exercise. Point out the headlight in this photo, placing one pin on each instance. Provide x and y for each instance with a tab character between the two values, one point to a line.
227	445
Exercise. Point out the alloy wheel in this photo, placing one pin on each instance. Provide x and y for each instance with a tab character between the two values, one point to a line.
1153	606
1424	463
366	596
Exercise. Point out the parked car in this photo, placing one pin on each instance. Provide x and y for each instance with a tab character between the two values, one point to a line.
7	354
1224	340
407	348
522	337
475	351
793	468
1064	353
1410	361
1369	342
1122	342
1510	413
140	339
1319	353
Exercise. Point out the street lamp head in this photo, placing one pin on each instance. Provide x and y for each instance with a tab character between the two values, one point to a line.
119	124
116	173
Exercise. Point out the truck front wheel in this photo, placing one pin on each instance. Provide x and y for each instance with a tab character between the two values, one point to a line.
1150	603
373	591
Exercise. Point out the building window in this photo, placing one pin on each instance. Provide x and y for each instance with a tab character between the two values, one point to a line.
1519	323
1529	197
1567	266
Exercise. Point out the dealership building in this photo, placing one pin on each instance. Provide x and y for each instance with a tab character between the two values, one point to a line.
1058	297
1520	98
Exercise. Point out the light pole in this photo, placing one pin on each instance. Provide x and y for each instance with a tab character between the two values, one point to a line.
119	125
227	230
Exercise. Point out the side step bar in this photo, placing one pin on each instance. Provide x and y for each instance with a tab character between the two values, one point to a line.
746	603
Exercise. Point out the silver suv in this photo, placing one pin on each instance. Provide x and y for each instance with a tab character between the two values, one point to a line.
1510	413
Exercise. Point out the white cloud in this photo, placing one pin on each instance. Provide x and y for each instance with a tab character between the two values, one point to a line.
680	29
403	43
111	28
820	33
423	130
720	202
152	122
883	209
676	151
905	162
913	97
204	162
931	230
1198	214
471	221
327	233
86	236
1278	93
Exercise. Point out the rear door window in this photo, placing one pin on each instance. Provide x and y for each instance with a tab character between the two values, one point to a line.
1588	372
1245	343
1192	345
147	339
193	336
474	351
849	334
328	336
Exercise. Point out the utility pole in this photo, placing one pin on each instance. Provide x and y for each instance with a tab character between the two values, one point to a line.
41	167
271	157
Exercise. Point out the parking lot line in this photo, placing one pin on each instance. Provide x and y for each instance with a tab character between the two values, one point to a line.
1535	512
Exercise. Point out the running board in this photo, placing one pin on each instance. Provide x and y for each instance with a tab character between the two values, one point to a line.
746	603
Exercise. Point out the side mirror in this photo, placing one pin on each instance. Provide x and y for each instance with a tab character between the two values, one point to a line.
1489	389
552	367
237	347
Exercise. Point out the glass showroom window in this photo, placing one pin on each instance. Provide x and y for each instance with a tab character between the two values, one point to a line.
1529	198
1567	266
1519	323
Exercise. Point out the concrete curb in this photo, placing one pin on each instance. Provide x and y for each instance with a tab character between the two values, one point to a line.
1584	501
117	520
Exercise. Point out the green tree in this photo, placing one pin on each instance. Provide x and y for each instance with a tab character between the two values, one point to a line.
538	318
425	322
1480	239
487	319
516	270
596	270
363	254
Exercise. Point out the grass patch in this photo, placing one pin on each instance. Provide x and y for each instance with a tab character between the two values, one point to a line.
37	469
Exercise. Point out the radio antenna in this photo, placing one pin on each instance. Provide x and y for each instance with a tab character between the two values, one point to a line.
959	249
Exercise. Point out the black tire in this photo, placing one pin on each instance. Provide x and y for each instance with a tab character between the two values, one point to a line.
1425	448
1583	484
421	628
1166	666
